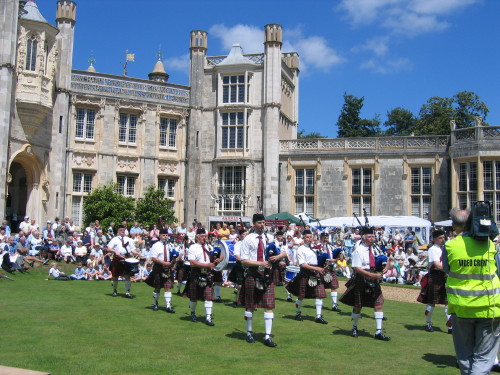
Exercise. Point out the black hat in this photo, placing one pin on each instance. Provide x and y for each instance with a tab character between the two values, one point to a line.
366	230
437	233
279	233
258	217
201	231
121	227
324	234
306	231
163	231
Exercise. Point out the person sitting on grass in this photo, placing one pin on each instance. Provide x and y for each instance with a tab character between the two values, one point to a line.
390	273
66	251
104	273
79	273
91	272
56	274
342	266
81	252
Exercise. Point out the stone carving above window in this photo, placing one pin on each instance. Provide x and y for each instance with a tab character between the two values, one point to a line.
127	164
84	160
167	167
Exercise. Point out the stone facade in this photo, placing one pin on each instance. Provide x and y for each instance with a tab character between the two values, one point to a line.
223	147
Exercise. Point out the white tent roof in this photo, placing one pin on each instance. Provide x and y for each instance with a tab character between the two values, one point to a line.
377	221
444	223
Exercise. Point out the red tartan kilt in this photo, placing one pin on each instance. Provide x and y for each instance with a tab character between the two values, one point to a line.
299	287
197	293
217	277
356	296
155	280
117	268
277	275
433	291
183	272
252	298
334	284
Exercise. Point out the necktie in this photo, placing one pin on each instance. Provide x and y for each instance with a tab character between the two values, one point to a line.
260	250
372	258
204	253
165	256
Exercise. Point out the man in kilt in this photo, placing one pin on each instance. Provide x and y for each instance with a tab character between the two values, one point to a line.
122	247
182	266
258	288
162	275
329	276
309	282
363	289
200	283
236	276
433	290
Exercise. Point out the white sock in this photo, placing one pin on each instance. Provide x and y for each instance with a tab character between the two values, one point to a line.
378	315
334	298
168	298
319	306
298	304
268	323
428	313
355	319
208	309
249	320
155	297
446	313
217	291
127	286
288	295
192	307
115	284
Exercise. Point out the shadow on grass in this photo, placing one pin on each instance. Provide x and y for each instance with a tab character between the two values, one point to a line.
421	327
242	336
345	332
440	360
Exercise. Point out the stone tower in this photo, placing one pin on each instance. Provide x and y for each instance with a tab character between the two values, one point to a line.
9	11
65	19
271	117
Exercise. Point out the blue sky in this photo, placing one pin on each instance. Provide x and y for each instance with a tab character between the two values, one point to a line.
392	52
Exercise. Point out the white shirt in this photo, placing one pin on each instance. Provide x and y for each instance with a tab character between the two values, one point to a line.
250	245
66	250
306	255
196	253
157	251
54	272
237	249
116	244
434	254
361	257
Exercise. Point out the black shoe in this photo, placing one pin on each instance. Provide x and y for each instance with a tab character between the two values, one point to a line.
320	320
354	332
495	367
289	299
46	261
270	343
450	330
218	300
299	317
155	307
384	318
115	294
381	336
209	323
170	310
250	338
179	293
193	318
128	295
336	309
428	327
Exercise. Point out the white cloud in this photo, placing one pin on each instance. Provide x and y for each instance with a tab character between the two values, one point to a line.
251	38
407	17
179	63
378	45
388	66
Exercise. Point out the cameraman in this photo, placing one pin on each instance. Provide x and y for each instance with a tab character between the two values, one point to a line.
473	289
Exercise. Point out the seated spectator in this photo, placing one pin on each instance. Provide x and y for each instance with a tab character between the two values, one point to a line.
342	266
146	251
38	247
87	240
416	272
91	273
56	274
54	251
81	252
143	272
97	254
66	252
6	227
92	261
390	273
79	273
100	239
23	249
104	273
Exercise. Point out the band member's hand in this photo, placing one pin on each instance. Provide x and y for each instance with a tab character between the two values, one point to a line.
273	259
377	276
320	270
211	265
217	261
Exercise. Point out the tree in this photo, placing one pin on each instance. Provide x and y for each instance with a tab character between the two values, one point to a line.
435	116
105	204
400	122
153	206
350	124
467	107
301	135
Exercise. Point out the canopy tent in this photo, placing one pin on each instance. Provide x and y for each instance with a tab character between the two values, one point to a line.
284	216
444	223
306	217
391	223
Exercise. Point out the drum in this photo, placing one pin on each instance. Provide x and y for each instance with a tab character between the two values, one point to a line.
226	248
291	272
131	266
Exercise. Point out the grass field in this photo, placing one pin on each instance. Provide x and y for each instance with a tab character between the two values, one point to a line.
76	327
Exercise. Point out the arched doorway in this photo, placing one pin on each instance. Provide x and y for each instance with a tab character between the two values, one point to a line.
18	195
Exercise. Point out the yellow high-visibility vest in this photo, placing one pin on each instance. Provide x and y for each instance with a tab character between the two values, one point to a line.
473	286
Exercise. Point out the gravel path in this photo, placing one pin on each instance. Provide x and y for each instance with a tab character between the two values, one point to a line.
393	293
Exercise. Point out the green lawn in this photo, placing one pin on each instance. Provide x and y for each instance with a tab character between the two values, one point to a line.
76	327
